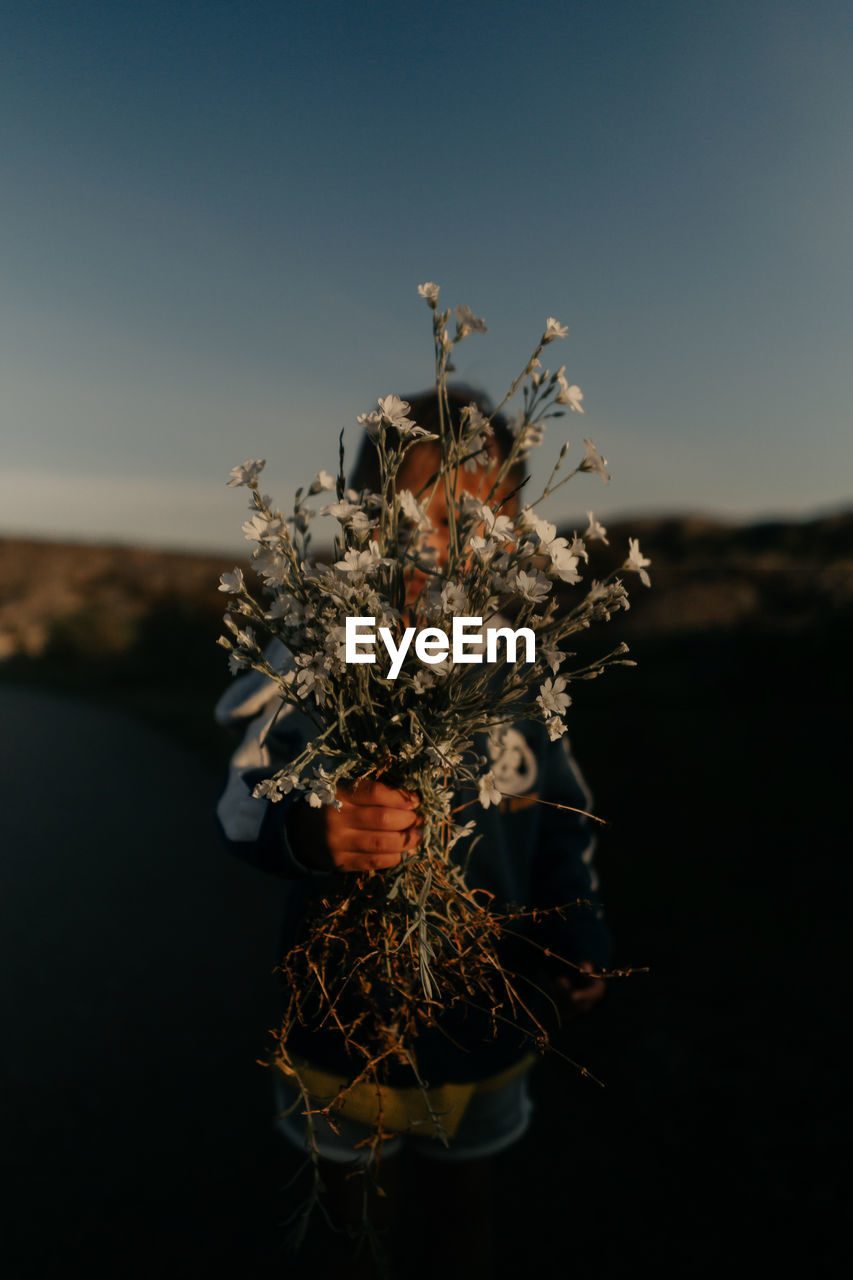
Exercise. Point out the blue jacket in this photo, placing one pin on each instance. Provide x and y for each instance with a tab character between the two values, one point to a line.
530	854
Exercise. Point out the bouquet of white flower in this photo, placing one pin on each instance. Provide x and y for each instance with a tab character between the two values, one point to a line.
401	658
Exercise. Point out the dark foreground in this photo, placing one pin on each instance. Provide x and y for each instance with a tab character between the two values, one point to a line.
138	992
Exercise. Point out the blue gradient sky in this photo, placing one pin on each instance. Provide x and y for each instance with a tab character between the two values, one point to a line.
215	216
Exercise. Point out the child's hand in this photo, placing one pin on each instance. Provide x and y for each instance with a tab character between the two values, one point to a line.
577	992
371	831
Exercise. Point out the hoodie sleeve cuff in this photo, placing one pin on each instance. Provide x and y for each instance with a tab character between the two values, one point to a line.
255	829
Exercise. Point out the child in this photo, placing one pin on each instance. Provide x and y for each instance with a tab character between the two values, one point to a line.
531	855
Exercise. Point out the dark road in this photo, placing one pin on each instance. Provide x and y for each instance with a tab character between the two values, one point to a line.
138	992
134	986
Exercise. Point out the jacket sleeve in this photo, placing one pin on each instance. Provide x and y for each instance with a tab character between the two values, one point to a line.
255	829
563	870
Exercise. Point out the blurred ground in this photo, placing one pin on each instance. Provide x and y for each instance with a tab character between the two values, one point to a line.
136	977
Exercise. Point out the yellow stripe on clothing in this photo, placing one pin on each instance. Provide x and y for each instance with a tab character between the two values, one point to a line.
403	1110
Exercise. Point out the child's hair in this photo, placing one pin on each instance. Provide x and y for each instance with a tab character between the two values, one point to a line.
424	411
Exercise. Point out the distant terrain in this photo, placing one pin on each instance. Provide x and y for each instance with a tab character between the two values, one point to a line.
138	627
63	597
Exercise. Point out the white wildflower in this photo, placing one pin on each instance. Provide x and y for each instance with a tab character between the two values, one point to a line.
570	395
394	411
284	606
301	516
497	527
247	474
409	506
551	698
287	782
321	790
272	565
423	680
544	530
483	547
553	329
532	436
340	510
578	548
267	789
461	833
531	586
444	754
595	531
305	681
429	291
564	558
261	527
598	591
274	788
321	482
475	423
362	561
232	582
564	561
603	597
637	562
312	680
488	791
594	461
467	322
454	598
359	523
475	461
553	656
336	644
556	728
372	423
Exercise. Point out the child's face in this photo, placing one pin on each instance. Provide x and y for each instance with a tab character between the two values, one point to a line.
419	469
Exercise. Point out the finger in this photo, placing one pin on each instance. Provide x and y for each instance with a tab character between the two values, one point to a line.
354	861
413	839
377	793
359	859
374	842
368	817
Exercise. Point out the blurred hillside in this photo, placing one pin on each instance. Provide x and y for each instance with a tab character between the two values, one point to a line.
66	597
773	576
707	574
131	627
139	626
